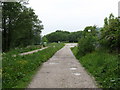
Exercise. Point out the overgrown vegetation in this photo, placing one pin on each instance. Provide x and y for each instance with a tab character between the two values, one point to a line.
98	52
103	66
17	70
110	34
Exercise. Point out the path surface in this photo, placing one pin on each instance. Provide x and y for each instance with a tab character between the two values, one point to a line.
31	52
62	71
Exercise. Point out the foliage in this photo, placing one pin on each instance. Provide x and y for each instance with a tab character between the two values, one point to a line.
88	42
18	70
86	45
44	39
21	27
57	36
75	36
64	36
110	34
91	29
103	66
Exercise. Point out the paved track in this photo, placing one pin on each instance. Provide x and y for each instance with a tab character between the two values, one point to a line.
62	71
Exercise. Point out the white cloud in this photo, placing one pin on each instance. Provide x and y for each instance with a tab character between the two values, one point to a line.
72	15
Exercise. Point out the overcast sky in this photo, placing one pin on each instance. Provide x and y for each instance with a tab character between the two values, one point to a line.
72	15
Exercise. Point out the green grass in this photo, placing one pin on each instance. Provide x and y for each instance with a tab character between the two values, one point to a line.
18	71
103	66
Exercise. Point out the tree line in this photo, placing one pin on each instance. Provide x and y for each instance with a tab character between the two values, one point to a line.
66	36
63	36
20	26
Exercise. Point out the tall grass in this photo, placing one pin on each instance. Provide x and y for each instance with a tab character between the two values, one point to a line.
18	71
105	67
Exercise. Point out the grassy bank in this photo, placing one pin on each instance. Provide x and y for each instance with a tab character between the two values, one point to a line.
103	66
17	71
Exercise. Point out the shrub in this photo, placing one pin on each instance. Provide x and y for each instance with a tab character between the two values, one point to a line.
86	45
110	37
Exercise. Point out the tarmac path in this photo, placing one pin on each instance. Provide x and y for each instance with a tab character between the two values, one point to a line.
63	70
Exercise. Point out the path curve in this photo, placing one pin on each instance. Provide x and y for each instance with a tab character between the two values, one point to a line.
31	52
62	71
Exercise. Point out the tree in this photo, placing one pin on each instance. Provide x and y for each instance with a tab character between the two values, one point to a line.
91	30
9	17
75	36
21	27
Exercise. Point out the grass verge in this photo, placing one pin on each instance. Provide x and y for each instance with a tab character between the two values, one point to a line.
17	71
103	66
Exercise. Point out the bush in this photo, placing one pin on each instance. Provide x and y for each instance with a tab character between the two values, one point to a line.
86	45
110	37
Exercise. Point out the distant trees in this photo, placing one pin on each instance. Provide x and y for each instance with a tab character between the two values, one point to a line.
58	36
63	36
20	26
75	36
